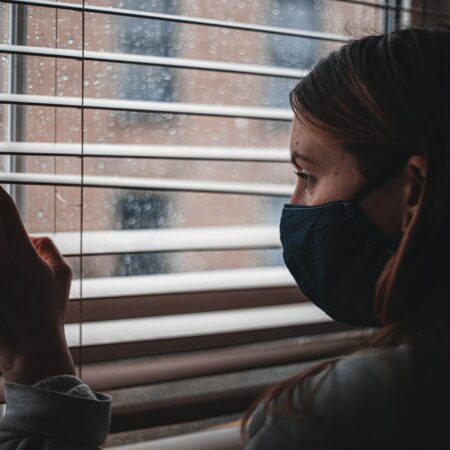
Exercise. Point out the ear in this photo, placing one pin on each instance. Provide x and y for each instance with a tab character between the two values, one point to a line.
416	170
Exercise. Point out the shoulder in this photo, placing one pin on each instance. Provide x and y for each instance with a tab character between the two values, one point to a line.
356	391
380	365
366	381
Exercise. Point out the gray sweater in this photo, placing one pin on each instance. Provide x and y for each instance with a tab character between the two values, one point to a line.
58	413
356	407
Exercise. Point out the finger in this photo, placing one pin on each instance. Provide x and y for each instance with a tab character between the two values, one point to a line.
48	251
36	242
12	222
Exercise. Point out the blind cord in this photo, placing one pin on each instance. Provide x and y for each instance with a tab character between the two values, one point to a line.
55	126
83	30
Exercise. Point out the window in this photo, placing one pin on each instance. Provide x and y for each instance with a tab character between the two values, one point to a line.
142	211
146	37
285	50
158	131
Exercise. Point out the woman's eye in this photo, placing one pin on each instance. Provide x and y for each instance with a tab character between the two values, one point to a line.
304	175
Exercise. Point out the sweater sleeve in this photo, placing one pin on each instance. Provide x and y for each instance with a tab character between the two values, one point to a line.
353	408
57	413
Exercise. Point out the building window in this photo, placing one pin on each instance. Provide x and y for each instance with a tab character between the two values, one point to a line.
288	51
147	37
142	210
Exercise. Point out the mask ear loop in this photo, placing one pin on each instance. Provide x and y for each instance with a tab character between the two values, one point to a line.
388	174
373	183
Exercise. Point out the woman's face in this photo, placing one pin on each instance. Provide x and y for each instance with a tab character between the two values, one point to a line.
329	173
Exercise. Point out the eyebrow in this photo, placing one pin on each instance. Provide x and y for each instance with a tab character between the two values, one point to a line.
295	156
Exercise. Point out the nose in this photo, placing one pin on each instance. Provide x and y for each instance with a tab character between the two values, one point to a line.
295	198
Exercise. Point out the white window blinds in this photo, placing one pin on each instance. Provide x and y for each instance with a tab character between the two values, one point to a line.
150	140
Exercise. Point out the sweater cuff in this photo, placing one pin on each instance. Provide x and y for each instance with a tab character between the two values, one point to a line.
61	407
66	384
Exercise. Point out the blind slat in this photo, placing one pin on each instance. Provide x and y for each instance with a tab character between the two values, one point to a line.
179	63
221	361
396	7
257	154
184	282
140	183
248	112
167	240
198	324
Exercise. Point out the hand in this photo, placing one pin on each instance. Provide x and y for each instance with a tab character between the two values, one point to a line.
34	292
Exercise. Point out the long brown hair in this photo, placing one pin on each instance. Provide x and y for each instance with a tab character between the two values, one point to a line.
383	98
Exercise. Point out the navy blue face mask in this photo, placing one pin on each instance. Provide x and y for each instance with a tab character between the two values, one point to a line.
336	255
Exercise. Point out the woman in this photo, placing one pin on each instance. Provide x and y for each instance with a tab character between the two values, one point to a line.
365	236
